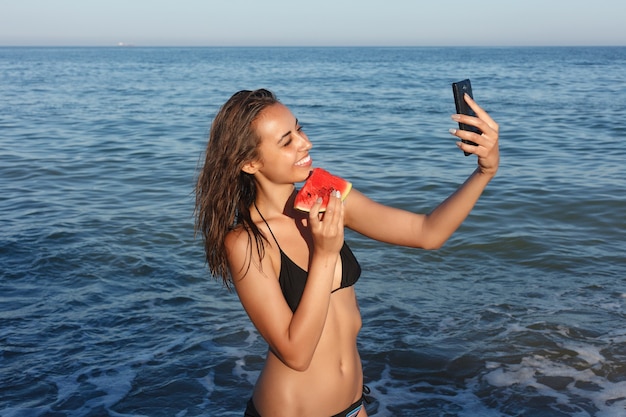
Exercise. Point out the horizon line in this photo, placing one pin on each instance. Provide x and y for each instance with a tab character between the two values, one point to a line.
123	45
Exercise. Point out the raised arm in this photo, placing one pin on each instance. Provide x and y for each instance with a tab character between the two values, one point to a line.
432	230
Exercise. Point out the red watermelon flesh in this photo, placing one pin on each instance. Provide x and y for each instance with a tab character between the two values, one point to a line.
320	184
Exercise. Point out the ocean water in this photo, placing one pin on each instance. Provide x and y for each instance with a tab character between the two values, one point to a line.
106	304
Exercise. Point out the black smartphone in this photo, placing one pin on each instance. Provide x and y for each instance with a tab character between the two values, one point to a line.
459	89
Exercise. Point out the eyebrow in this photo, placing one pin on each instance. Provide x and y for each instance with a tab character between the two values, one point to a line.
286	134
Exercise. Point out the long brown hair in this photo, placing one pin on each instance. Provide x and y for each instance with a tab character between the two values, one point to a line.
224	193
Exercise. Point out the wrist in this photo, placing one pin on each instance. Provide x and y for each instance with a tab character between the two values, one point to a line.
324	258
487	173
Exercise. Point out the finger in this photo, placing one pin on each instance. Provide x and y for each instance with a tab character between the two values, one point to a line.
471	136
314	213
334	214
331	209
482	114
480	124
340	208
468	148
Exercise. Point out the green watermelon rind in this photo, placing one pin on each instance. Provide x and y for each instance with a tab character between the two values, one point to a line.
305	198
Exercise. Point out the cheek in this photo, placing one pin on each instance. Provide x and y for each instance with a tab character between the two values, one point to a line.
277	155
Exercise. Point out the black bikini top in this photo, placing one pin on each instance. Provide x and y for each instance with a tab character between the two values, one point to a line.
292	278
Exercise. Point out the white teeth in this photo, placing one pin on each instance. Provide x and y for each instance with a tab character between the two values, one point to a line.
304	160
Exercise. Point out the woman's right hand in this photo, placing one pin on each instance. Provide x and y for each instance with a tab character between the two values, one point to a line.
327	227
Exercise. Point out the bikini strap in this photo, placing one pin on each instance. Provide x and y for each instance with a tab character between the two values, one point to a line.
268	226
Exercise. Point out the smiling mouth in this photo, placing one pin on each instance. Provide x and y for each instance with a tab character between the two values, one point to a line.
304	161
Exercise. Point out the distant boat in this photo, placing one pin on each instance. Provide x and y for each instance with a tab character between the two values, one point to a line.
124	44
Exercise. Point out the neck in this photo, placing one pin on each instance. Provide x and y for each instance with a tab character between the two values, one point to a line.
278	201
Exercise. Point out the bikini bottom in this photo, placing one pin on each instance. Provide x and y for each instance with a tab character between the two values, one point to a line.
351	411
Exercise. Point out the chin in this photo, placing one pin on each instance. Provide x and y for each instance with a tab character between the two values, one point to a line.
306	171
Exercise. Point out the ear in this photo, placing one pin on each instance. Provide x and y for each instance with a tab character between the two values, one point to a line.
251	167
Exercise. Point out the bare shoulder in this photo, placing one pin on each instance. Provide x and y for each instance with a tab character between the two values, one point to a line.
256	282
242	252
237	239
245	259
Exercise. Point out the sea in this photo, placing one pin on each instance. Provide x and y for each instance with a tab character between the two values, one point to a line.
107	307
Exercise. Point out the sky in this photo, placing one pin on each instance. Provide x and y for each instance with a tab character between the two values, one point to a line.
312	23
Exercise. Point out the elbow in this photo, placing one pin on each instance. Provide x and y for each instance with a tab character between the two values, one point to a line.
301	367
427	238
426	243
299	363
298	360
436	245
431	239
432	244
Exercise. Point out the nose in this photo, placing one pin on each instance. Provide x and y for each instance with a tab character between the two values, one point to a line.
305	143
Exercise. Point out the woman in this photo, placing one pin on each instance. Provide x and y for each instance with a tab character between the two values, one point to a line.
292	271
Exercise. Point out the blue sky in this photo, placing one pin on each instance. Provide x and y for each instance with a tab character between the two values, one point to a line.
314	22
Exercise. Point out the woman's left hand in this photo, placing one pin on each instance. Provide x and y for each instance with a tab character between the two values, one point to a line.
486	144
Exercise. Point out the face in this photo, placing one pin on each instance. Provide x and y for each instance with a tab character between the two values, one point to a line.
284	147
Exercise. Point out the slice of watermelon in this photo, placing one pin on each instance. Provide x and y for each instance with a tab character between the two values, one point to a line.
320	184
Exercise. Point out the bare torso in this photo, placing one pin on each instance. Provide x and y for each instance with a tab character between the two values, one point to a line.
334	379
